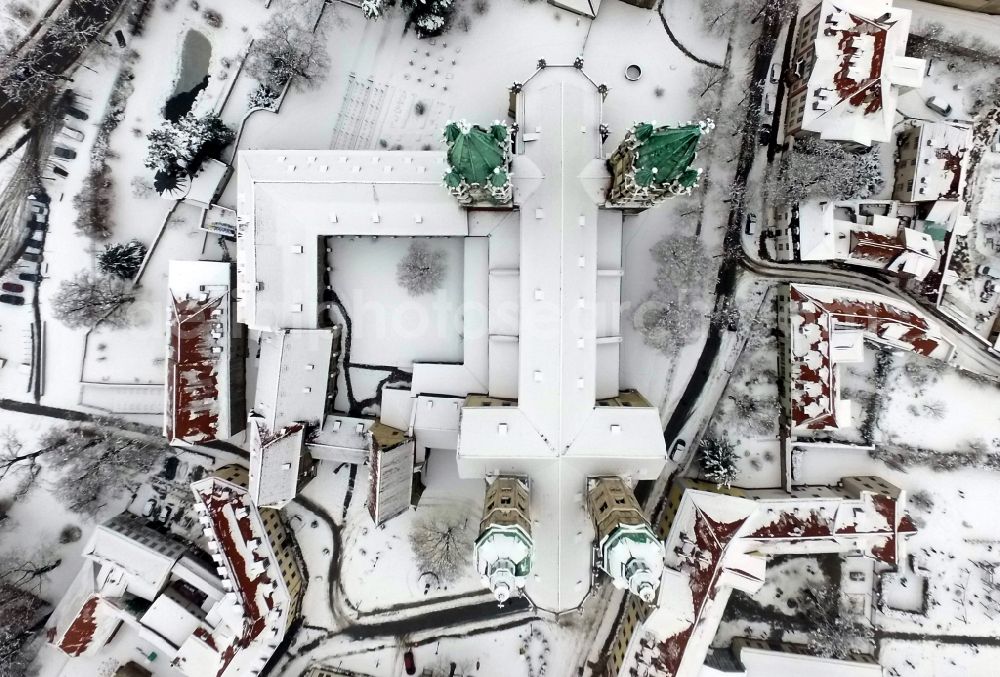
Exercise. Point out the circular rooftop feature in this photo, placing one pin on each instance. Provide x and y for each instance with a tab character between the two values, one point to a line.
633	72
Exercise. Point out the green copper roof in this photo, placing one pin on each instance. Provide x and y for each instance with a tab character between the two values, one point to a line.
476	155
665	154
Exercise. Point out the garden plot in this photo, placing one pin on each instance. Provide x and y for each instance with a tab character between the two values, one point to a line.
389	326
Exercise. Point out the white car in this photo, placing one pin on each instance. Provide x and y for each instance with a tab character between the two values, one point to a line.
939	105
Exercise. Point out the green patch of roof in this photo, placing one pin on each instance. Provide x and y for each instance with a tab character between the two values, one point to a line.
665	154
476	155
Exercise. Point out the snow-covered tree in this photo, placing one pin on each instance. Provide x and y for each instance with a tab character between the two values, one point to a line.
97	464
717	457
826	170
374	10
671	316
288	49
122	259
27	77
421	270
88	298
442	545
666	322
429	18
178	147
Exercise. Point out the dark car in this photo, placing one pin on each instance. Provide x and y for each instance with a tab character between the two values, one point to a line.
34	258
59	171
408	663
29	277
64	153
13	300
75	112
13	286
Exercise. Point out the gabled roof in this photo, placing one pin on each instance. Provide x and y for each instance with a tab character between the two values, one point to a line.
198	351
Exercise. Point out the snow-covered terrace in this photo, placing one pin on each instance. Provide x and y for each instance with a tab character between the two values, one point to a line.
718	542
828	326
198	356
860	62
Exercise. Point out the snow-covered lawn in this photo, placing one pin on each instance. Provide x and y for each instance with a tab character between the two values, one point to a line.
388	325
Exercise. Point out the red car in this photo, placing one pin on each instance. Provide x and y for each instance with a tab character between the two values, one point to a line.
13	286
408	663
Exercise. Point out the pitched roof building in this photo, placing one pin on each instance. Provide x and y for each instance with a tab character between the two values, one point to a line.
849	63
825	327
718	542
931	163
199	393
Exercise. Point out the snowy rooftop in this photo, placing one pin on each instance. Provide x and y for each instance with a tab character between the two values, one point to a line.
860	63
250	622
566	339
289	200
942	157
715	542
199	317
275	457
827	326
293	375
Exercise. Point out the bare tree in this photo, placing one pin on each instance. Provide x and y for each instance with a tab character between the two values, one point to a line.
286	50
19	465
21	611
442	545
422	270
26	78
86	299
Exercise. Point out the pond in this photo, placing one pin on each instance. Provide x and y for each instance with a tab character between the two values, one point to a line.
196	54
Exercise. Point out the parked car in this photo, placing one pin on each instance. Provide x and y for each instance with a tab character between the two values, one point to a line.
678	449
64	153
33	249
29	256
775	72
35	241
12	299
59	171
75	112
989	271
751	224
939	105
409	664
765	134
74	134
29	277
148	509
768	104
13	287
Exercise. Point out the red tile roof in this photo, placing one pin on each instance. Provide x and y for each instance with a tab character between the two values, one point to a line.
193	406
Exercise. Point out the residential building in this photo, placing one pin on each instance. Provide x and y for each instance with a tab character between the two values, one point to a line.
864	233
849	64
202	401
207	622
931	161
720	541
822	328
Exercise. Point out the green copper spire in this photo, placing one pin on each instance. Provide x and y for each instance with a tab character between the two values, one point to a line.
474	153
478	162
666	154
